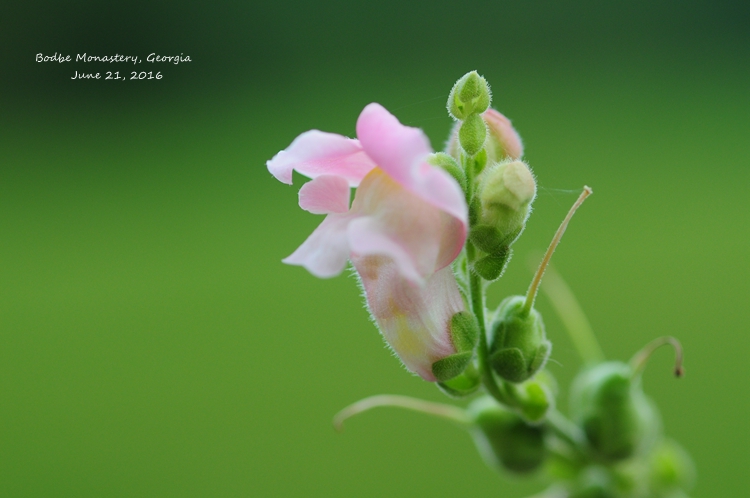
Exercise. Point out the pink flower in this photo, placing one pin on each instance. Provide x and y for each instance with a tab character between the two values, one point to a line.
407	223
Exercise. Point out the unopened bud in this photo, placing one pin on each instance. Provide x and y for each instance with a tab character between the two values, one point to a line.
519	345
505	194
472	134
503	140
470	95
504	439
615	415
671	468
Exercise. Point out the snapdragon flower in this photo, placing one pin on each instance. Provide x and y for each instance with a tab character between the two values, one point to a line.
406	224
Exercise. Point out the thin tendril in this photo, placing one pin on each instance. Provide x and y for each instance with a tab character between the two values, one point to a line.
531	294
638	362
416	405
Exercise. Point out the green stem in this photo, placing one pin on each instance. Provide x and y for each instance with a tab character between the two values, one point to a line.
483	351
566	431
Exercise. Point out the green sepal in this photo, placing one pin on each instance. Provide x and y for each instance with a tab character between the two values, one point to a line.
533	399
464	331
492	266
504	439
510	364
489	239
462	385
472	134
486	238
450	166
451	366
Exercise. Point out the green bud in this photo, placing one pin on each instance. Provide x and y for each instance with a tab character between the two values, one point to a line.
534	399
470	95
503	141
472	134
519	346
594	482
670	467
505	194
504	439
450	166
462	385
617	418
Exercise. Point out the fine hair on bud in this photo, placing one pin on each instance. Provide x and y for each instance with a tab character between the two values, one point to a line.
470	95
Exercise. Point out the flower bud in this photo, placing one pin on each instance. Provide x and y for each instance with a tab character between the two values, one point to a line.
519	346
505	196
671	468
613	412
534	399
503	141
472	134
470	95
504	439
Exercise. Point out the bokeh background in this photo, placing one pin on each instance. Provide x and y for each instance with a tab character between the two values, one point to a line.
151	341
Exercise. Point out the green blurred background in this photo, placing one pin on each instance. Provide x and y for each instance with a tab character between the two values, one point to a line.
151	341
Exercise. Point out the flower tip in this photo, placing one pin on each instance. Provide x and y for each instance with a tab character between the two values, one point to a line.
280	168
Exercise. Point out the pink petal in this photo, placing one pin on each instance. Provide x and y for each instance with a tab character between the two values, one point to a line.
326	250
316	153
369	236
392	221
413	319
325	194
400	151
501	129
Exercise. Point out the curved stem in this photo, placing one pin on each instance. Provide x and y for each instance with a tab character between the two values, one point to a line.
531	294
638	362
448	412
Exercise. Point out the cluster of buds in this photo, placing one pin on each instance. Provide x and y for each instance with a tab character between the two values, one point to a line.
426	232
